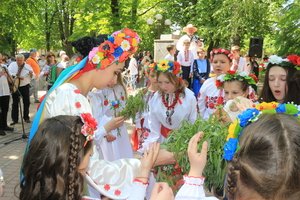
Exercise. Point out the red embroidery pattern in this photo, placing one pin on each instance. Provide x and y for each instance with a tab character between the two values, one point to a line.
78	104
213	102
106	187
77	91
117	192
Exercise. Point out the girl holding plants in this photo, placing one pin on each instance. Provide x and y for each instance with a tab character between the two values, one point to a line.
68	97
210	96
142	129
111	136
171	104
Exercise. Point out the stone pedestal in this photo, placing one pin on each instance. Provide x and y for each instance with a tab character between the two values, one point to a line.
160	46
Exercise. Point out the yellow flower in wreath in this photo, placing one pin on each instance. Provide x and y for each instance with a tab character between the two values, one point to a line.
163	65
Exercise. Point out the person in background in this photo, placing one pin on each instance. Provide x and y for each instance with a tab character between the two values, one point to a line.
252	65
23	72
64	63
133	71
171	52
49	71
185	58
238	63
32	61
4	99
201	70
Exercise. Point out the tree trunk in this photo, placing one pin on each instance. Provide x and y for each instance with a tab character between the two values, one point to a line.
134	8
115	11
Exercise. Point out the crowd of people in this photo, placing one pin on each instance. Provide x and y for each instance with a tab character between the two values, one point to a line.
78	138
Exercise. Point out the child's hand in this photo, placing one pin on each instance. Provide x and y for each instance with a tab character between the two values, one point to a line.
114	123
148	160
162	191
197	160
109	137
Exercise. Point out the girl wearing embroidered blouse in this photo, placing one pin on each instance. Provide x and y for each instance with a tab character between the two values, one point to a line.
239	94
60	175
172	104
68	96
210	96
278	74
142	129
112	136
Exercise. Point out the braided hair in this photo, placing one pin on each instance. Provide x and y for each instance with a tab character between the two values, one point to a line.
267	163
51	163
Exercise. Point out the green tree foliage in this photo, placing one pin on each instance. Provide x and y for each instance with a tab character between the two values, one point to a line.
53	24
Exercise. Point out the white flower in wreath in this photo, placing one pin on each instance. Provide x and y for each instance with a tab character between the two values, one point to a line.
274	59
125	45
96	59
221	78
243	74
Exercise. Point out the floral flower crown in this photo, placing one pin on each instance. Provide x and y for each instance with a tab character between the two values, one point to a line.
151	67
289	61
251	115
168	66
250	79
119	46
221	51
89	126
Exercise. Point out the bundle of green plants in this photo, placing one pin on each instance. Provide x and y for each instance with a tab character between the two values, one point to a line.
215	132
134	104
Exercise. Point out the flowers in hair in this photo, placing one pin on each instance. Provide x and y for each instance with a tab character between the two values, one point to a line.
250	79
290	61
118	47
168	66
221	51
250	115
89	126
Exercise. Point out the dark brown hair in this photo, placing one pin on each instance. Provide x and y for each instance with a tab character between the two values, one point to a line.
268	161
49	55
293	94
174	80
51	164
170	47
266	93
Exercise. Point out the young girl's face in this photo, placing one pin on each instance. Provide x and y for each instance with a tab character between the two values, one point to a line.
82	168
233	89
277	82
108	76
165	85
221	64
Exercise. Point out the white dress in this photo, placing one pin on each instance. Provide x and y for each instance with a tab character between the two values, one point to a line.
106	104
112	179
209	98
185	109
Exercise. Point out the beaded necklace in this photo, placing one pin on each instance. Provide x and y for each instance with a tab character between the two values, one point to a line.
170	108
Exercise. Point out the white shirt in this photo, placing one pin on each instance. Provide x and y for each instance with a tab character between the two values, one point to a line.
169	57
63	64
242	65
25	73
208	98
4	88
133	68
185	109
186	62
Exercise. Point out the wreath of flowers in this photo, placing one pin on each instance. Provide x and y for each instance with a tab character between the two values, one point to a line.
250	79
289	61
250	115
168	66
119	46
221	51
89	126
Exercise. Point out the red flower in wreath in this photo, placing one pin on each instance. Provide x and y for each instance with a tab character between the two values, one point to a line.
294	59
219	83
254	77
177	68
89	126
232	72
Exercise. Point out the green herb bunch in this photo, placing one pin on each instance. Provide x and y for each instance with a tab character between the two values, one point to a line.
134	104
215	133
